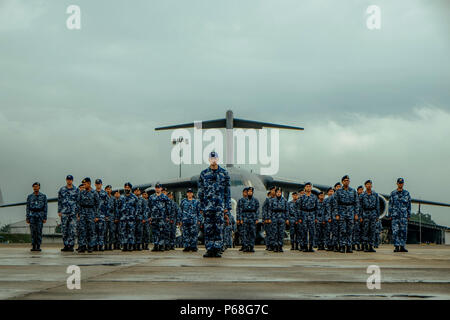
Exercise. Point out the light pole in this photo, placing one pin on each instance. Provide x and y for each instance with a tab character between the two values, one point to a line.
180	140
420	226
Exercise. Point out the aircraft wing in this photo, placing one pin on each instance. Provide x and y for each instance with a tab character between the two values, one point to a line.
180	184
420	201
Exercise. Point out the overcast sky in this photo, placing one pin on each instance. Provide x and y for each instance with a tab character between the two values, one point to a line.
374	103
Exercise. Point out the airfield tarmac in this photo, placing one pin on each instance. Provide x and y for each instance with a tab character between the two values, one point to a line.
423	273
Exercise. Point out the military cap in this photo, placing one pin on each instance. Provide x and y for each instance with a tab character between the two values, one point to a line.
128	184
367	181
250	188
81	185
190	190
245	189
328	190
337	184
321	192
400	180
278	188
213	154
272	187
345	177
136	189
98	181
87	179
295	192
308	184
108	186
36	184
359	187
158	185
164	189
69	177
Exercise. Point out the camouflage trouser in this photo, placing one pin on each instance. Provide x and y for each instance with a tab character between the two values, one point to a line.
369	228
127	230
117	233
86	229
146	233
300	233
346	223
378	230
110	232
358	231
309	231
399	231
328	234
213	230
173	231
278	226
227	236
158	227
293	231
336	232
249	233
238	235
36	230
138	231
190	234
68	228
321	233
267	231
100	227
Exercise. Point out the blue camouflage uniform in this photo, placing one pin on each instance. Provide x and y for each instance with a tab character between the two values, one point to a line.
68	207
240	227
139	226
100	224
378	229
346	205
321	225
328	216
109	222
159	212
88	206
267	226
128	207
36	213
358	227
294	216
249	214
146	225
308	212
171	226
400	212
214	196
370	205
190	219
117	232
278	212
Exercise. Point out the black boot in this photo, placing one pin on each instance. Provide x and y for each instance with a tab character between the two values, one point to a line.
371	249
155	248
397	249
100	248
349	249
296	246
280	249
403	249
292	246
116	246
342	249
251	249
146	246
139	247
359	247
33	248
353	247
82	249
305	248
194	249
330	248
208	254
90	249
125	247
311	249
187	249
64	249
95	248
337	248
217	254
70	249
242	248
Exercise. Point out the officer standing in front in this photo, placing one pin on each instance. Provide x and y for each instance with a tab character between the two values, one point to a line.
36	215
215	203
399	213
67	211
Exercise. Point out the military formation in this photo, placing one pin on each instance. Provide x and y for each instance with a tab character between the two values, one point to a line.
342	220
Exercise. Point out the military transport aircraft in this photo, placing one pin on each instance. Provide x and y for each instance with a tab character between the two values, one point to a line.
241	178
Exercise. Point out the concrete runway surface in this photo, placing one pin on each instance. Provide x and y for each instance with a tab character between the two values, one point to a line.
423	273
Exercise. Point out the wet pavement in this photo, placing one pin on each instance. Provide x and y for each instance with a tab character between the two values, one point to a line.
423	273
